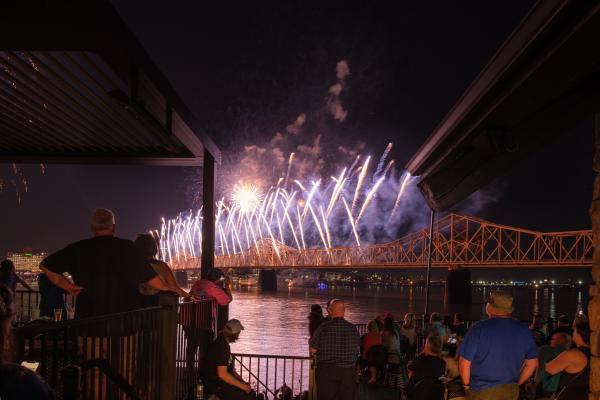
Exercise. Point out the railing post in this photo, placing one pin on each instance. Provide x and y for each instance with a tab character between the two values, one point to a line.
312	377
168	345
71	382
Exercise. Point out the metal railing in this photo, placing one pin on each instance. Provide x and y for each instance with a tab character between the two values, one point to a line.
27	305
195	332
272	375
128	343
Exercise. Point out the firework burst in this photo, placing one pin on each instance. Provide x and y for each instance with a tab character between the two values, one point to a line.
338	211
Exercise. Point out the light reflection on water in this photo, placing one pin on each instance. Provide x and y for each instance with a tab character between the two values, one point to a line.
276	323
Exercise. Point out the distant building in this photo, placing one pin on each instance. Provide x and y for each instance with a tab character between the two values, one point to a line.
26	261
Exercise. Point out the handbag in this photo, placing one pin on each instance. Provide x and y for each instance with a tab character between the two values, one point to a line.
556	396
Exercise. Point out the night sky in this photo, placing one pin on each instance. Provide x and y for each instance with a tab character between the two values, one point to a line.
248	71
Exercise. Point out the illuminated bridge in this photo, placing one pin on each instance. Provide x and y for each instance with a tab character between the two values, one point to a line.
457	240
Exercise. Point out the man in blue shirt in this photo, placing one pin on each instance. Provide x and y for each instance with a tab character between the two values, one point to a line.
498	354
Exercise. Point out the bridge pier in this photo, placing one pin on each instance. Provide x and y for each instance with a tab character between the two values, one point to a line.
268	280
459	290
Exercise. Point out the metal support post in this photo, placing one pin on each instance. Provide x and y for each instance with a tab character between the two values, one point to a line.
429	256
207	261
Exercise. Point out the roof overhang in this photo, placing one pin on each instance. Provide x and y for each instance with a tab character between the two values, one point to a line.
542	81
77	87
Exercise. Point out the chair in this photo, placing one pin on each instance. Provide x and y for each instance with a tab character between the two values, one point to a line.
404	348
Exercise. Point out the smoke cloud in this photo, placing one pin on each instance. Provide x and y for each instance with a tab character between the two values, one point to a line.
334	102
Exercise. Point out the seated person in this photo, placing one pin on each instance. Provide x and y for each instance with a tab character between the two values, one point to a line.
537	330
547	384
562	325
454	386
368	340
218	372
428	364
16	382
459	327
573	366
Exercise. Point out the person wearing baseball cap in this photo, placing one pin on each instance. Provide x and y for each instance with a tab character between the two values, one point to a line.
498	354
218	372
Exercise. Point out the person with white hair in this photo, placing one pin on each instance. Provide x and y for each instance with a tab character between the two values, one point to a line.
107	271
336	344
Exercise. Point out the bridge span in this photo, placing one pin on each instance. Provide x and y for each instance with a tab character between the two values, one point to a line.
457	240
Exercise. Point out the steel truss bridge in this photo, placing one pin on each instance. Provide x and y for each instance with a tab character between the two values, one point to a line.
457	240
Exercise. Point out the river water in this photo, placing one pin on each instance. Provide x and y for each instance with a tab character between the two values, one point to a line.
276	323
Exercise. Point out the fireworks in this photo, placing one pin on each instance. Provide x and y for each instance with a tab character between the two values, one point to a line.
246	198
17	180
293	214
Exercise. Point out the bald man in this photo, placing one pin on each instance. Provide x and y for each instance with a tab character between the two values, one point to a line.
336	344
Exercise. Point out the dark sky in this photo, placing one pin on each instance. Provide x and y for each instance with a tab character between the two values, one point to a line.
249	70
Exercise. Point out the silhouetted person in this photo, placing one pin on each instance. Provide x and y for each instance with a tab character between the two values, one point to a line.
106	270
51	297
148	249
9	277
315	318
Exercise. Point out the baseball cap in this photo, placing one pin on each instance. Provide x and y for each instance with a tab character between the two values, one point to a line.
234	326
501	301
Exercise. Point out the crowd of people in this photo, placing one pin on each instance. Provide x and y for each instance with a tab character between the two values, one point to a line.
497	358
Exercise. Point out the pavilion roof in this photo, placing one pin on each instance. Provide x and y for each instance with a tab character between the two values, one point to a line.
77	87
542	81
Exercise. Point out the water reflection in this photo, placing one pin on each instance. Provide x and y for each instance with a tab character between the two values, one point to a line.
276	323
